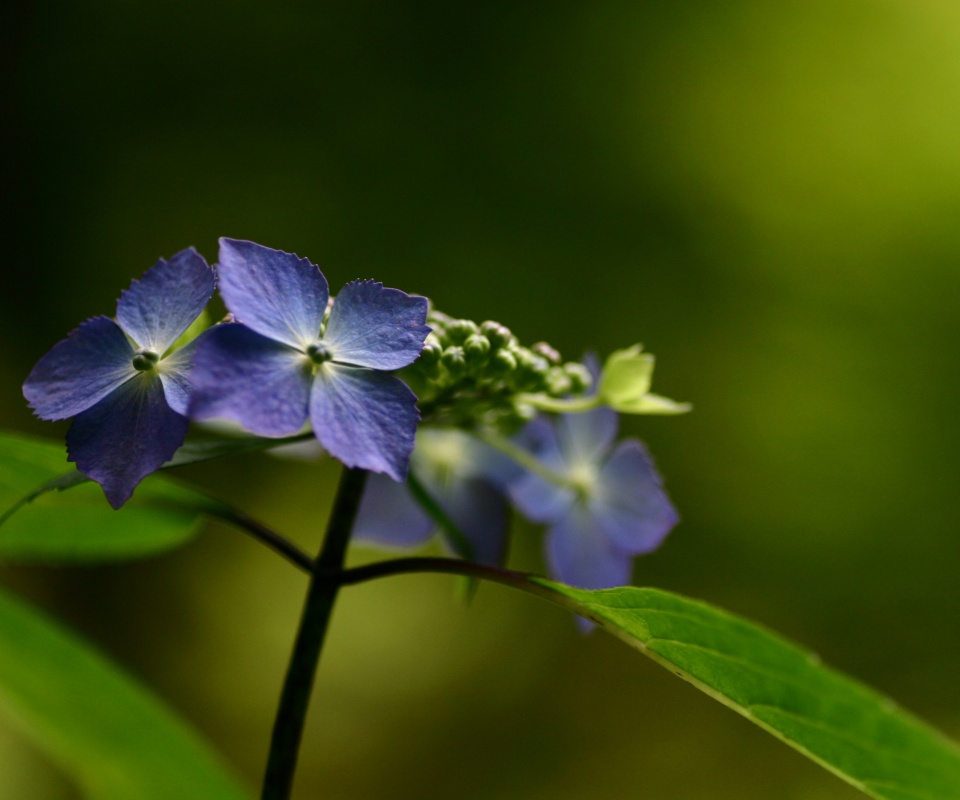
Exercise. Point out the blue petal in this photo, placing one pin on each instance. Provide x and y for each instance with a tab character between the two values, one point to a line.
160	306
538	499
82	369
390	516
126	436
277	294
586	437
364	418
239	375
578	554
371	326
442	450
175	374
480	512
631	508
486	463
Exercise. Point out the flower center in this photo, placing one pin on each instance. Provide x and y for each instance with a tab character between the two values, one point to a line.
145	360
583	479
442	453
318	353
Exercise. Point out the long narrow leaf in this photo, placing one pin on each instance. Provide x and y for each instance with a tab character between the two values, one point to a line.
79	525
109	734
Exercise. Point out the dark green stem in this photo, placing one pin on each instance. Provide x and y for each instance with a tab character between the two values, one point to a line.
324	585
448	566
258	531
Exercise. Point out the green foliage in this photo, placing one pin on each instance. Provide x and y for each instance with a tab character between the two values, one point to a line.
79	525
849	729
109	734
625	385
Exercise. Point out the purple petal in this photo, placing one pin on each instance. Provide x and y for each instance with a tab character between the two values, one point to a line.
454	451
126	436
364	418
578	554
160	306
82	369
277	294
480	512
485	463
390	516
175	374
632	509
539	500
371	326
536	498
239	375
586	437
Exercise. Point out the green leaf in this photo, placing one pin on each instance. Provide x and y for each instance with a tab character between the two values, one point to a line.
846	727
627	374
625	385
114	738
79	525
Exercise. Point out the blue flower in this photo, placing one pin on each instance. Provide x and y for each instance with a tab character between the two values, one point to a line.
281	365
465	477
606	506
128	396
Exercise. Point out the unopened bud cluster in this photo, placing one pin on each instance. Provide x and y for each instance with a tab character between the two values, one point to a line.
469	372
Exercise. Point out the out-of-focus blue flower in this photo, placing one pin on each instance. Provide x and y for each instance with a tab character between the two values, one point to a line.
127	395
465	477
278	367
606	506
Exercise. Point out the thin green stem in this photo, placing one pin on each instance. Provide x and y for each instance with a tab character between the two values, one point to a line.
525	459
449	566
428	502
324	586
525	582
258	531
557	405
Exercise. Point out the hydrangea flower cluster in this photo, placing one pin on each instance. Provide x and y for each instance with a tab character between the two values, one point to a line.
127	391
504	424
605	506
281	358
286	359
603	503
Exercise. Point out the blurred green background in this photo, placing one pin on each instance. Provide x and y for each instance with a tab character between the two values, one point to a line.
766	195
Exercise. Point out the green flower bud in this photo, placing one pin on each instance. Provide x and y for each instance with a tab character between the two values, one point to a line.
438	333
430	355
460	329
579	375
454	360
503	362
476	348
558	382
438	316
546	351
514	417
531	370
499	335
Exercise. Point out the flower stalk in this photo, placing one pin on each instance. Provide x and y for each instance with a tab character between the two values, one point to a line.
321	596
